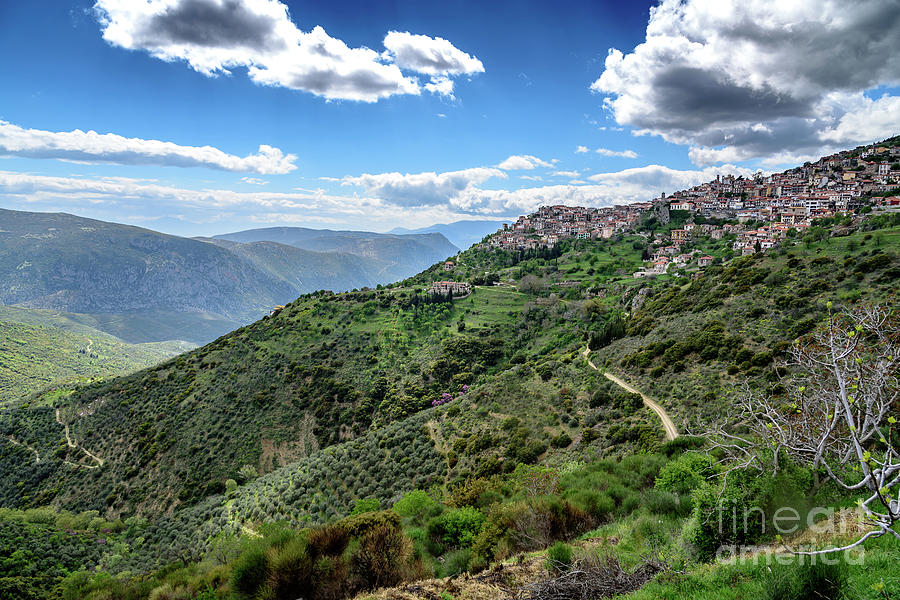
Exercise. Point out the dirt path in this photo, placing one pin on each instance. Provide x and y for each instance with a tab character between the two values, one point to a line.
668	425
37	456
73	444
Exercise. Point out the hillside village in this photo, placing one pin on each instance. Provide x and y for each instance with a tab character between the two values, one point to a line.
755	213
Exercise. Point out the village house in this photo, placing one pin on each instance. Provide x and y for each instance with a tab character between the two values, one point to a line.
457	288
704	261
449	265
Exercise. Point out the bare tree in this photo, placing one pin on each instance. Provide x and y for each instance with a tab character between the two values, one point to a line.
838	414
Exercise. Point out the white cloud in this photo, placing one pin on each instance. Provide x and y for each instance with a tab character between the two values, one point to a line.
460	190
90	146
421	189
432	56
644	183
440	85
620	154
389	198
581	149
531	177
566	174
868	120
118	198
751	78
216	36
254	181
518	162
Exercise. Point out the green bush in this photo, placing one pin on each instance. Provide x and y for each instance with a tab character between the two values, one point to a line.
365	505
598	504
749	494
383	558
562	440
358	525
417	506
249	572
686	473
559	557
456	528
457	562
660	502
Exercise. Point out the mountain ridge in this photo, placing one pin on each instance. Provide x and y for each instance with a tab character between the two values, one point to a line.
141	285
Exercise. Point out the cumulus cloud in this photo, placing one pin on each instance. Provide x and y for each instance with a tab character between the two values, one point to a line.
644	183
432	56
461	191
520	162
440	85
90	146
739	80
216	36
420	189
581	149
620	154
566	174
388	198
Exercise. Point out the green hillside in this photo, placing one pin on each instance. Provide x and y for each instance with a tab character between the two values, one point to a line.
34	355
329	367
342	399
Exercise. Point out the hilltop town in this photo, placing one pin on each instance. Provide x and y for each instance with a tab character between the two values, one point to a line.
756	213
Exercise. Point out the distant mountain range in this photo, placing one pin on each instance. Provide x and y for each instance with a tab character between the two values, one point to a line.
145	286
461	233
390	256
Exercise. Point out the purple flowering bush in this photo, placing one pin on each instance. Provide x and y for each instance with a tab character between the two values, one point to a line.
447	397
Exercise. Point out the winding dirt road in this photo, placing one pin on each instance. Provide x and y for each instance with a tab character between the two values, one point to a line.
668	425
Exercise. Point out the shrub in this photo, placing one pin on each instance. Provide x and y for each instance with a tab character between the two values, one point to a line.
681	444
528	525
457	562
417	506
456	528
562	440
358	525
758	496
598	504
249	572
468	492
382	558
330	540
660	502
685	473
631	503
559	557
365	505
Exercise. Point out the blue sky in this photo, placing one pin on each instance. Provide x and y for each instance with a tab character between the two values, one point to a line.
377	115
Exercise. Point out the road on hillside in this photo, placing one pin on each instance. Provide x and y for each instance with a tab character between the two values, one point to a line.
668	425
